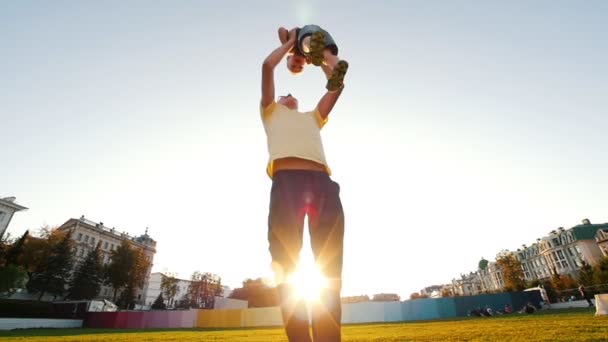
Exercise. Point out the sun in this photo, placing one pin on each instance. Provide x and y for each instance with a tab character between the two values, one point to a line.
308	282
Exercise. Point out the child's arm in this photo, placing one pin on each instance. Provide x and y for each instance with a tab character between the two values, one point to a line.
268	69
284	37
327	102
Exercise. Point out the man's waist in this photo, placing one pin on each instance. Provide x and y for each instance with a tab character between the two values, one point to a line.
295	163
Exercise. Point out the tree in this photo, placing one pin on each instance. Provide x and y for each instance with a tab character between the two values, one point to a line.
203	288
600	272
10	278
556	281
585	274
483	264
37	250
257	293
512	272
14	252
54	273
117	271
159	303
127	272
88	276
11	274
168	286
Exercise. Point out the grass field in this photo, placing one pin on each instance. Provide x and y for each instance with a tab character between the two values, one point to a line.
554	325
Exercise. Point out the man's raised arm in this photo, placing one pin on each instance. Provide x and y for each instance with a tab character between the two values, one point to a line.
270	63
327	102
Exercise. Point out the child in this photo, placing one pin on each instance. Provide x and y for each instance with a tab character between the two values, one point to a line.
315	45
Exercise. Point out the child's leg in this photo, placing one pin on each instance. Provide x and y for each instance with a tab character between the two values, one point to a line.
329	58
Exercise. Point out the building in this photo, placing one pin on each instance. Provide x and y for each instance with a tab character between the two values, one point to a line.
354	299
601	238
490	277
438	291
154	290
562	251
386	297
467	285
8	208
87	234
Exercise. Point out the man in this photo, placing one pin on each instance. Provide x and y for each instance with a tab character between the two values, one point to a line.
301	186
584	293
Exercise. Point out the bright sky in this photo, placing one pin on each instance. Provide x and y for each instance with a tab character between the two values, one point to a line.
465	127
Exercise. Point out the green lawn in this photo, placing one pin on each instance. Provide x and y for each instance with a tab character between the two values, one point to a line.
553	325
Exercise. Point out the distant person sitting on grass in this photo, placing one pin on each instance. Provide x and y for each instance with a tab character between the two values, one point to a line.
528	308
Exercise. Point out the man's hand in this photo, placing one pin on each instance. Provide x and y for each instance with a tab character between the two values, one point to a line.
270	63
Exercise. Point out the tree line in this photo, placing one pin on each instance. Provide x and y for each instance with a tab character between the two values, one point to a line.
47	264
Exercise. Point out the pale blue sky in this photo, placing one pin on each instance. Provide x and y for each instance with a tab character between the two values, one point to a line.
465	127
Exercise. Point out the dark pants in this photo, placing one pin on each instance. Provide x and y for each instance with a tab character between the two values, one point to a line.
294	194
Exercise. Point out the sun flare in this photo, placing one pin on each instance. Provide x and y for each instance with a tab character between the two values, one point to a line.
308	282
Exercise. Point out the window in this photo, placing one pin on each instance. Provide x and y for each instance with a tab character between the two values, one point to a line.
92	241
79	236
2	215
112	247
105	246
86	238
80	252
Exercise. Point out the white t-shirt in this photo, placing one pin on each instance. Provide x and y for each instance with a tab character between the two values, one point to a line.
290	133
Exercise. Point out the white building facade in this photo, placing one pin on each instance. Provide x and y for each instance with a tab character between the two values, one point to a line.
154	289
562	251
8	208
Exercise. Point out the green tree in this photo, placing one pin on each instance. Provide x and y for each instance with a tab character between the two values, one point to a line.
159	303
556	281
37	250
483	264
585	274
600	272
11	274
127	272
257	293
168	286
117	271
126	300
512	272
88	276
54	272
16	250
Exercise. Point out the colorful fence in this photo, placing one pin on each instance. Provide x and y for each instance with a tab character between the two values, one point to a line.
365	312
